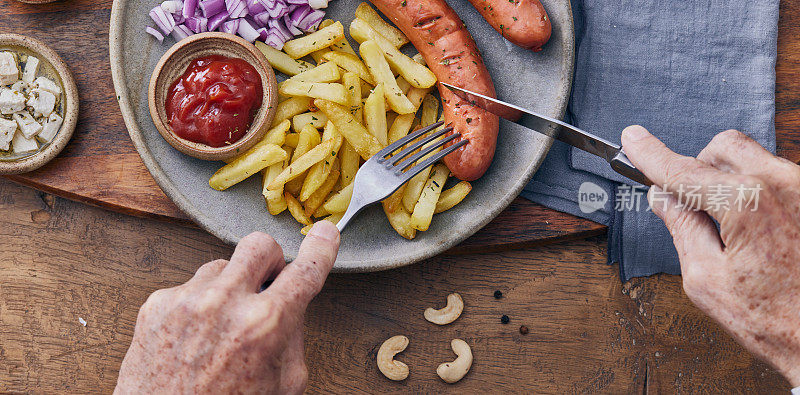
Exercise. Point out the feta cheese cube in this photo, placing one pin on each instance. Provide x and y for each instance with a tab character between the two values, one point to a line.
47	85
11	101
42	102
9	72
7	129
31	68
50	128
20	143
20	86
27	125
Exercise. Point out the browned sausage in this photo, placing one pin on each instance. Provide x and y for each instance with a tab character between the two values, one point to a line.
450	52
523	22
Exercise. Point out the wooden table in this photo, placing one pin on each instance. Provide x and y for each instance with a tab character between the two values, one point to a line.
61	261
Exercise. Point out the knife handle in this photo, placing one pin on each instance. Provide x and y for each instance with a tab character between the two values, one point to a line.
622	165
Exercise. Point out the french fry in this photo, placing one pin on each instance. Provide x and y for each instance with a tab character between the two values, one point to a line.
416	96
335	218
296	209
395	201
321	212
356	134
350	63
375	115
419	59
400	127
291	140
400	221
318	197
389	32
322	38
341	44
276	203
339	201
430	110
315	119
277	135
379	68
281	61
351	83
319	173
303	163
322	73
426	205
332	91
414	188
349	163
307	139
402	84
452	196
365	88
289	108
416	74
249	163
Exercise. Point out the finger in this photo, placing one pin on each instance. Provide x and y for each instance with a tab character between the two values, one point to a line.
255	259
301	280
735	152
210	270
693	232
672	171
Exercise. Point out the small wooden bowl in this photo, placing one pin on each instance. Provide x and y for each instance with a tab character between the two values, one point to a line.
175	62
55	69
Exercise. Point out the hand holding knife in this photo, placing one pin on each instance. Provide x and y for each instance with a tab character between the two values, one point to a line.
558	130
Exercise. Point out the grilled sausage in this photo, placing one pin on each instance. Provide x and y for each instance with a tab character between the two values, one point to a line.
450	52
523	22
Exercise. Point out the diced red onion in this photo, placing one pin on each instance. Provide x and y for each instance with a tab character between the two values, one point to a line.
172	6
311	21
298	14
164	20
263	33
236	8
317	4
231	26
189	7
179	19
180	32
217	20
212	7
197	24
278	26
247	32
298	2
255	7
278	10
155	33
287	21
274	40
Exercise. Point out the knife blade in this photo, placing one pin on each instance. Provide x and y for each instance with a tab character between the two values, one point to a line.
610	152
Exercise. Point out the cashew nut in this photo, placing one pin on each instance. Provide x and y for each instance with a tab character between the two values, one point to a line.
454	371
394	370
447	314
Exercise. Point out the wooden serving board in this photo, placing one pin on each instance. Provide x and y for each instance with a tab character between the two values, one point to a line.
101	167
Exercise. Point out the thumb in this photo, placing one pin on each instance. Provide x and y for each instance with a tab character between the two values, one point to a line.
302	279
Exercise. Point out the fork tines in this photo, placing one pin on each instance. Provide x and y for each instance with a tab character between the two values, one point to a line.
395	159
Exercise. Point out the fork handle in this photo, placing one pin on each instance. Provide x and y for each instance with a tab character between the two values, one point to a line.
351	212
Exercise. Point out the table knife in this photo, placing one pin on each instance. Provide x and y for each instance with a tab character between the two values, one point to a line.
610	152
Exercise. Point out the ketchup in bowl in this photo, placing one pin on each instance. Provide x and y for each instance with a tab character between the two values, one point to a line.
215	101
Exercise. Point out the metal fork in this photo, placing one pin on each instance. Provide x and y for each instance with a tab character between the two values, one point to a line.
386	171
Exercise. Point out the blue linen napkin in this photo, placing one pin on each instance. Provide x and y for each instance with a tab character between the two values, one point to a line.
685	71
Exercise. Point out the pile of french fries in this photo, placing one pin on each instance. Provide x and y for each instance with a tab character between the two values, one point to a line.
361	104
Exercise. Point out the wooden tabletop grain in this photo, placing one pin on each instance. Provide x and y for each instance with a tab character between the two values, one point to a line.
62	261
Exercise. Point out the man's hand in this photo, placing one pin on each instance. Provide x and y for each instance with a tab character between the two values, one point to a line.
218	334
746	275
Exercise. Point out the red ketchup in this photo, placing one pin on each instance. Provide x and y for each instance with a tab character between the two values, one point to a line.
215	101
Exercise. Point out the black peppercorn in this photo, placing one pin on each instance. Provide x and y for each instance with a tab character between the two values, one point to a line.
523	330
498	294
504	319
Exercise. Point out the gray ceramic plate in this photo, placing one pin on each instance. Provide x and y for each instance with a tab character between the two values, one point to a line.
540	81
